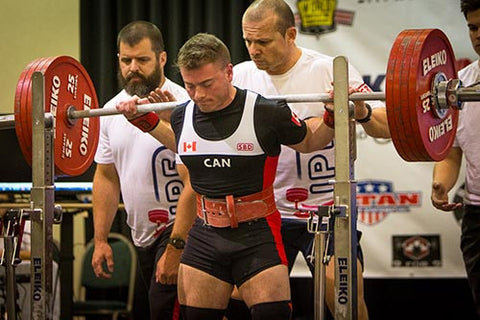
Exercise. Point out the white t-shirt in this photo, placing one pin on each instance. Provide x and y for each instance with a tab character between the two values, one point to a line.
301	178
468	138
149	182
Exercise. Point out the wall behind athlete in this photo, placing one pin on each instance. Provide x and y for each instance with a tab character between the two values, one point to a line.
33	30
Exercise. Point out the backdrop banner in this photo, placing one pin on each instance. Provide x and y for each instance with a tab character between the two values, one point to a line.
403	234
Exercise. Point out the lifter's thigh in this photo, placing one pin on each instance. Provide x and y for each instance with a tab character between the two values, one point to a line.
269	285
199	289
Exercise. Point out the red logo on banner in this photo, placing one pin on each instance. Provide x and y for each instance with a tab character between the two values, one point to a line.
190	146
419	251
376	199
416	248
368	217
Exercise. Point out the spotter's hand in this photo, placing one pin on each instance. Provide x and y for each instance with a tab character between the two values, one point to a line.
159	95
129	107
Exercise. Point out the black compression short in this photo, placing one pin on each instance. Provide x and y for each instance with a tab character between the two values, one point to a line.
235	255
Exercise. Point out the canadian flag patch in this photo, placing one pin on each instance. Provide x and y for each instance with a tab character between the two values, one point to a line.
190	146
295	119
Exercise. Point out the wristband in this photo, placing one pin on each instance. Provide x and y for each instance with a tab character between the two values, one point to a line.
178	243
369	114
328	118
146	122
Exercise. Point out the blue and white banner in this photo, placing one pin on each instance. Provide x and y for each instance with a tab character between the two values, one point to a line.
403	235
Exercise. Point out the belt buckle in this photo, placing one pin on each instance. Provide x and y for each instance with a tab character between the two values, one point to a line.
204	211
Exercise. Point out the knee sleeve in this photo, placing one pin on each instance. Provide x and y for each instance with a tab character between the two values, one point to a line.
195	313
237	310
281	310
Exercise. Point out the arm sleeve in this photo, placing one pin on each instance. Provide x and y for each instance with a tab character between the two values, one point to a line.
277	124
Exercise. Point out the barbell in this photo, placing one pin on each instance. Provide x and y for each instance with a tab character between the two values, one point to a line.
423	97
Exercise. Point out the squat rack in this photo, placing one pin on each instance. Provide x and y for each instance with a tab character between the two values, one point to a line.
343	210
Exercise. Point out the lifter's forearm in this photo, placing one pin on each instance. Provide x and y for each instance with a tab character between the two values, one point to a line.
186	207
163	132
318	136
377	127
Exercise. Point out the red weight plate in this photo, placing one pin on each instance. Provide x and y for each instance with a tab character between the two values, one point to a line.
28	102
433	54
411	104
402	67
27	108
412	145
390	92
393	94
22	110
18	105
66	84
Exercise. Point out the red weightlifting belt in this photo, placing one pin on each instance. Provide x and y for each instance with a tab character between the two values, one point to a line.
229	212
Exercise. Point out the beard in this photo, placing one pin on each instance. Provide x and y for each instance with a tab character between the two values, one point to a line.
137	84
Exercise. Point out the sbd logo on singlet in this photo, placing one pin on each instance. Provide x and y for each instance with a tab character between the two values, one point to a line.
245	146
